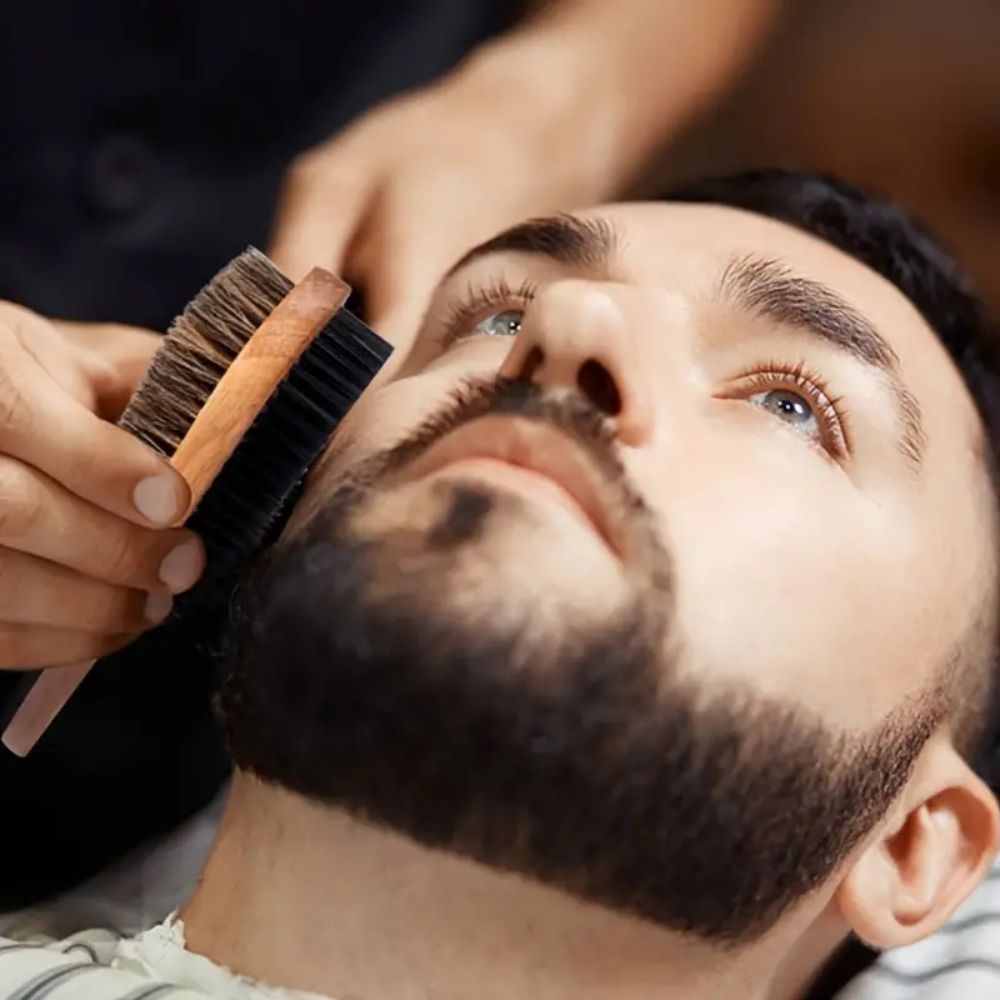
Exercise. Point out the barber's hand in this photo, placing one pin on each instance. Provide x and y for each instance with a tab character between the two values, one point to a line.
395	199
85	561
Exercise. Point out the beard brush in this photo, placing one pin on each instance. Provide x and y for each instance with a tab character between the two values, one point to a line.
248	386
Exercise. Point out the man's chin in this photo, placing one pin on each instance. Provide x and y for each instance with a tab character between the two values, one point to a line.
540	499
481	527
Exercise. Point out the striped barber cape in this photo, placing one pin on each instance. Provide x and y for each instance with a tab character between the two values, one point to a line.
99	965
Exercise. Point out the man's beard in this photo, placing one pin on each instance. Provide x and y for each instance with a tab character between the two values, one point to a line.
577	753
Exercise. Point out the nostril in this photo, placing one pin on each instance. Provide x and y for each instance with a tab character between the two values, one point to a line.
597	384
532	362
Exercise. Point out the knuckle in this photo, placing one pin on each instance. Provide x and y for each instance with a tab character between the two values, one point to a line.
305	170
109	610
325	173
14	411
19	509
120	559
15	323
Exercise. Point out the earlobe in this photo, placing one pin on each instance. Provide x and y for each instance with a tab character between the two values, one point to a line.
933	851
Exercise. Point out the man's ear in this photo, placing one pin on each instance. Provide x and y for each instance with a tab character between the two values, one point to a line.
934	849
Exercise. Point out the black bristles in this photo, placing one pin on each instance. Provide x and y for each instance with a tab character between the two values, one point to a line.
284	440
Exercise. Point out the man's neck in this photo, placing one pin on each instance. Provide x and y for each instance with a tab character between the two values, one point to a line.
307	898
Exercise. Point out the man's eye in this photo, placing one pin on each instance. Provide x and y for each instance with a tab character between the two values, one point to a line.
790	407
500	324
495	309
797	397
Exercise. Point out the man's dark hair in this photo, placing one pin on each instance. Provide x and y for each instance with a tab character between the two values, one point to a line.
890	242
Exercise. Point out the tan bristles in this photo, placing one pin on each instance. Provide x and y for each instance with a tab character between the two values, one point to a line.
200	345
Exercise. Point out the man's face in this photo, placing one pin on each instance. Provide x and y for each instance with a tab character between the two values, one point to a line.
821	499
732	465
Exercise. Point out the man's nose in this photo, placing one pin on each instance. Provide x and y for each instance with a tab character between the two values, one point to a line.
576	335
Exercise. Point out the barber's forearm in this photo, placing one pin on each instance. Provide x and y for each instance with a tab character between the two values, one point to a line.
631	72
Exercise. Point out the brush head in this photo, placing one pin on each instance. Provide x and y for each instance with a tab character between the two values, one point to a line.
200	346
250	498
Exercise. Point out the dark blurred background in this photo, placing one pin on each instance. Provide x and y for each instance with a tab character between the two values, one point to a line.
900	96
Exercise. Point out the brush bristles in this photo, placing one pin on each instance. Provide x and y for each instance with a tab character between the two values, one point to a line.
249	497
200	345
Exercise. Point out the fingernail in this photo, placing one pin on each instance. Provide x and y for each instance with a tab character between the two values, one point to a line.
182	566
158	607
156	499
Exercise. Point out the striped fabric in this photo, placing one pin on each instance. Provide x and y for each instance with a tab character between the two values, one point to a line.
99	965
75	971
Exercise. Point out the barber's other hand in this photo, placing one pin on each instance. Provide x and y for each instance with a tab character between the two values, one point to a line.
393	200
86	562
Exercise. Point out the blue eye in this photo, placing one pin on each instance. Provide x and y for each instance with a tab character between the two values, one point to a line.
791	408
500	324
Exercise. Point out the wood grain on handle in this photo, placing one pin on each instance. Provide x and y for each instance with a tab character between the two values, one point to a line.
266	358
244	389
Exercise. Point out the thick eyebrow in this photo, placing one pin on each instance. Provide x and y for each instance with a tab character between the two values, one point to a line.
564	238
771	290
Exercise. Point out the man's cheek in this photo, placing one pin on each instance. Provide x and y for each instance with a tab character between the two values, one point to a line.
376	423
391	415
798	599
387	414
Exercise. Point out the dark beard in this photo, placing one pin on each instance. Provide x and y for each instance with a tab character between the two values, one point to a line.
588	761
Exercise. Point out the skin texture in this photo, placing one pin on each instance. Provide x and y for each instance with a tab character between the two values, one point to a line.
765	506
818	563
82	567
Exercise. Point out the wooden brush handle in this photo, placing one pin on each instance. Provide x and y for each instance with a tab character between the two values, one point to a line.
257	370
241	393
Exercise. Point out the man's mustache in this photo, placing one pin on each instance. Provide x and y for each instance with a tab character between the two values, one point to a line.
568	412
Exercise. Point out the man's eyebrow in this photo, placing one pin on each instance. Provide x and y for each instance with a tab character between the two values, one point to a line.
772	291
563	238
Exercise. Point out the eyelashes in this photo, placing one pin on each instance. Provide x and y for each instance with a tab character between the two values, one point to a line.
830	411
476	304
481	301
